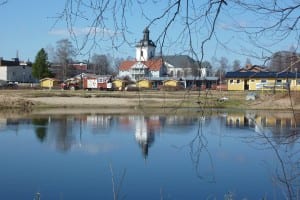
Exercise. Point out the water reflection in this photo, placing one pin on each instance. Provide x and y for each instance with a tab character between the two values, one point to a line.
40	128
280	133
203	143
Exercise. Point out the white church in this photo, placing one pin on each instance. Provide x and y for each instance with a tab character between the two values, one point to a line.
158	68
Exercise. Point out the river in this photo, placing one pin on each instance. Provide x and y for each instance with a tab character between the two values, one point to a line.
203	155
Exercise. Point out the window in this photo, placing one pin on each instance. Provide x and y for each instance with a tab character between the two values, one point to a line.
231	81
238	81
252	80
279	81
263	81
142	53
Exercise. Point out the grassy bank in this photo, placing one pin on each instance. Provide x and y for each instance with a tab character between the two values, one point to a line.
33	99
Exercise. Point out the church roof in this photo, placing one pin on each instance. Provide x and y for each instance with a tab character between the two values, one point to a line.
146	40
152	64
182	61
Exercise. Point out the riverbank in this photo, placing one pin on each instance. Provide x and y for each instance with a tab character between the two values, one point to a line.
28	100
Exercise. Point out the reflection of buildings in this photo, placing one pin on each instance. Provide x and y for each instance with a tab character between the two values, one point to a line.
99	121
144	134
282	124
279	120
67	131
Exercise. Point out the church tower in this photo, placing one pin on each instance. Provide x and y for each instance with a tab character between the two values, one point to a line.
145	49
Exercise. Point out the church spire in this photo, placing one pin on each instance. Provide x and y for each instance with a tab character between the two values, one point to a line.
145	48
146	34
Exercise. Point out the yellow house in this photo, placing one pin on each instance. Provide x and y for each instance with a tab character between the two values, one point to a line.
49	82
262	81
119	84
144	84
172	83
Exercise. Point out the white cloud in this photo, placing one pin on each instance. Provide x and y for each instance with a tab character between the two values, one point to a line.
82	31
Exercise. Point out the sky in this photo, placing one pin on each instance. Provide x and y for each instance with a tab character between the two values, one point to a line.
27	26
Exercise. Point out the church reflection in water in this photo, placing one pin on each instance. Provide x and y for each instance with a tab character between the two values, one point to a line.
144	134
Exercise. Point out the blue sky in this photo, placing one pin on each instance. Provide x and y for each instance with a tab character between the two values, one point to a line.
28	26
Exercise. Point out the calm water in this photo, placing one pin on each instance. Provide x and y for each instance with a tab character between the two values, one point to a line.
220	155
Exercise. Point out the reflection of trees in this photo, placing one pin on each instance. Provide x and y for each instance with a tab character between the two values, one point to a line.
281	141
287	173
40	128
198	151
63	134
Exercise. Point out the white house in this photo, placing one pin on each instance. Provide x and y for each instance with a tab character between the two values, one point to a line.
14	71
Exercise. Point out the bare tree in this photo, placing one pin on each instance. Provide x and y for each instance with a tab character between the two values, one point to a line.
284	60
197	23
64	56
223	67
100	64
248	62
236	65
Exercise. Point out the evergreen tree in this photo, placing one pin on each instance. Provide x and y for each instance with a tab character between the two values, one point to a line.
40	66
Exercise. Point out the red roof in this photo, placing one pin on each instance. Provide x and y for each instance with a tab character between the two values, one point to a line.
153	64
126	65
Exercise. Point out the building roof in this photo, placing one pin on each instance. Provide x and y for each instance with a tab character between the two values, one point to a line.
238	74
152	64
126	65
146	40
14	62
252	68
183	61
48	78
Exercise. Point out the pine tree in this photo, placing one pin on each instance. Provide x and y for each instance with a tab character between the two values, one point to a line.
40	66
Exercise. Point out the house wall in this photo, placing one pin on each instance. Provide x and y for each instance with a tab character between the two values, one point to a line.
238	84
235	84
155	74
295	85
47	83
144	84
124	74
3	73
21	74
172	83
118	84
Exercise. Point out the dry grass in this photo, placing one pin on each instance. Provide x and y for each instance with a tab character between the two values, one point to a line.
147	99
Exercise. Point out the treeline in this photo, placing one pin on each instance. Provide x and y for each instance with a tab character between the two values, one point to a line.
57	62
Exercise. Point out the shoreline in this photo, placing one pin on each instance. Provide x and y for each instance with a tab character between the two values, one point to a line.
29	100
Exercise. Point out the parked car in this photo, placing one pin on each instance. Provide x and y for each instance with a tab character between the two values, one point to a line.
9	85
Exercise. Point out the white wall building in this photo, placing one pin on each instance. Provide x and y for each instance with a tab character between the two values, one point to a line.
13	71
